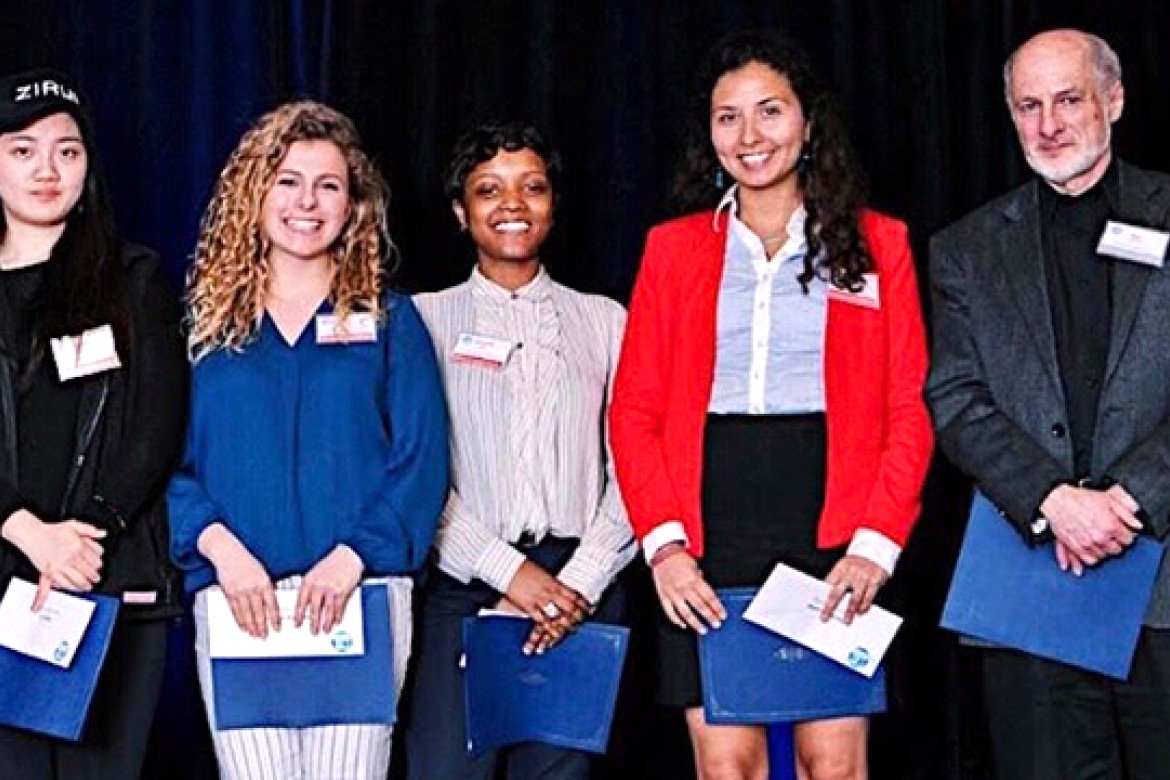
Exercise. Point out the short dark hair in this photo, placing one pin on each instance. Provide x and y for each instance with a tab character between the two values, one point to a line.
485	141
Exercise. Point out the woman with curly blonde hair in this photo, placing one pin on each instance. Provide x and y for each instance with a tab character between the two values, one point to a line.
317	444
232	268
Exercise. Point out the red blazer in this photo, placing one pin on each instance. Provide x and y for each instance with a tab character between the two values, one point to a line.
878	429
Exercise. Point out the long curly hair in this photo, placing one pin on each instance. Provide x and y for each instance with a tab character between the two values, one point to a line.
832	184
230	272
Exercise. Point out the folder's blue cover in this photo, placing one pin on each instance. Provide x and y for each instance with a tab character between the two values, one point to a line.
565	697
1013	595
40	697
302	692
752	675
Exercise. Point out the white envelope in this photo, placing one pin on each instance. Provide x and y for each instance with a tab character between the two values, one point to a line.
228	640
790	604
90	352
52	634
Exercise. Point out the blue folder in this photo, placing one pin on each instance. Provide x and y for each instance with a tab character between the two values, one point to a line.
1013	595
564	697
38	696
753	675
302	692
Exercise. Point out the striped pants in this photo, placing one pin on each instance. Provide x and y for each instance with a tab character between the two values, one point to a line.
341	752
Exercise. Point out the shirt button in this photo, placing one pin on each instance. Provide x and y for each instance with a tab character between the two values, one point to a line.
1058	430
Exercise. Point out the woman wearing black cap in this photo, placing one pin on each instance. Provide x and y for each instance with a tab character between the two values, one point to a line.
92	377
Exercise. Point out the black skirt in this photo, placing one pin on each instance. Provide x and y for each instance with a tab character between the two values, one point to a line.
763	488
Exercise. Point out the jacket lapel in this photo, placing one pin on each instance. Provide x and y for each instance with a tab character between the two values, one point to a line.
1022	257
1144	203
709	252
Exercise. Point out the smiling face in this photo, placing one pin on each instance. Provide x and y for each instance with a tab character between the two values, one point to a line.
305	209
1062	114
42	172
507	208
758	127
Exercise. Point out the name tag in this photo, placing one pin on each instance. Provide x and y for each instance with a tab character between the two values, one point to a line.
1133	243
867	296
486	351
360	327
91	352
53	634
143	597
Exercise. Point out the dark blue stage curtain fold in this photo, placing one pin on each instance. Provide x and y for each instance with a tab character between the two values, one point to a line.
173	86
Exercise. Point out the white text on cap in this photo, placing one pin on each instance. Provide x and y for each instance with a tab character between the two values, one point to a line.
42	89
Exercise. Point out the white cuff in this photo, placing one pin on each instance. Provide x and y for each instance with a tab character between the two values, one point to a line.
584	577
668	533
498	564
875	546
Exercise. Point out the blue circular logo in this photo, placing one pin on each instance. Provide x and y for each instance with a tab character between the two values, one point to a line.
858	658
61	651
342	641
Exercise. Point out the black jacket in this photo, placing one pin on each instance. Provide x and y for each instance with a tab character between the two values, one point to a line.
995	386
129	430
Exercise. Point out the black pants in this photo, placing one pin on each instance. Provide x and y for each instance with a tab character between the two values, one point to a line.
436	738
1049	721
117	729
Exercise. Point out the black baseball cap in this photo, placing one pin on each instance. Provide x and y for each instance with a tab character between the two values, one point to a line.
34	94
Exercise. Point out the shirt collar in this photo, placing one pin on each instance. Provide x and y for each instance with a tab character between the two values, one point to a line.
728	202
536	290
795	229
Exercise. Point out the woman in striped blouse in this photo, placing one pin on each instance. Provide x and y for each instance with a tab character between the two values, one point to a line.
533	522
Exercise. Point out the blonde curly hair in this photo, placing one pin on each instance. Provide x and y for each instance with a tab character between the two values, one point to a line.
230	271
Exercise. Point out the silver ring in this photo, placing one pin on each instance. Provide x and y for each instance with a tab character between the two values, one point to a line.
551	610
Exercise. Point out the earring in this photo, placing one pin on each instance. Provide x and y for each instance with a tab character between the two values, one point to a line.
805	162
719	178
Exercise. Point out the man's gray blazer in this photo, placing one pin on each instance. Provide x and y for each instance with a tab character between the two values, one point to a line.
994	385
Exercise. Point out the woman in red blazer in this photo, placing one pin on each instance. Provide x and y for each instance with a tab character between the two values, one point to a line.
768	403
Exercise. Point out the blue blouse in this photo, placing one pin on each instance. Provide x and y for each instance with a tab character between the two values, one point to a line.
770	333
297	449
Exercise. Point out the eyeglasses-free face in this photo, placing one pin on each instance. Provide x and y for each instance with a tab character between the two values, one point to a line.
42	171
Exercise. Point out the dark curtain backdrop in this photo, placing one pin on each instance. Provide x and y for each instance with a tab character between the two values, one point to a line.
174	84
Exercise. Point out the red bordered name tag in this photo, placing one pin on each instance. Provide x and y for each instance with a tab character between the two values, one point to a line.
91	352
867	296
486	351
360	327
